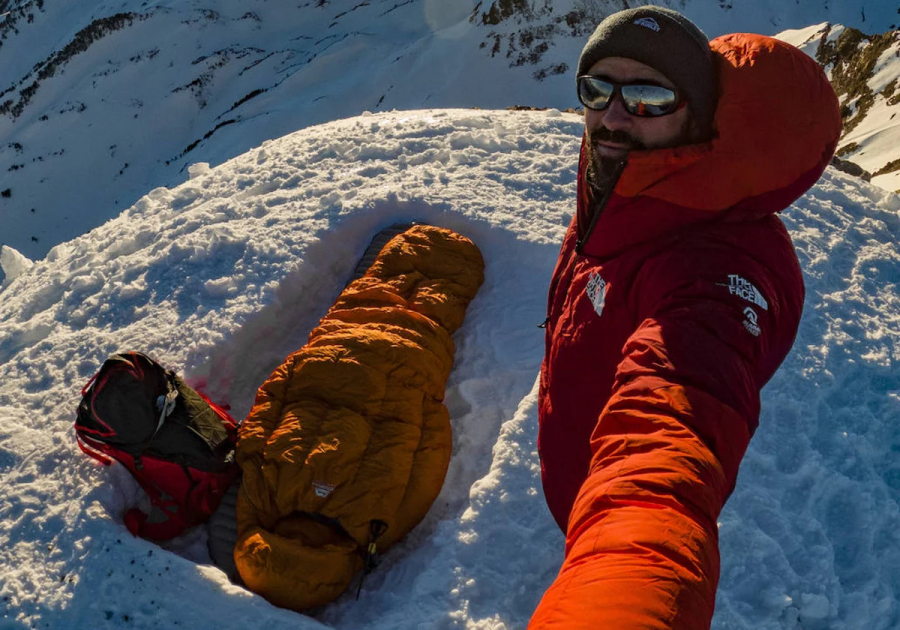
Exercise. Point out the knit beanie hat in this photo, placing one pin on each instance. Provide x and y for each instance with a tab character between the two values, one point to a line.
666	41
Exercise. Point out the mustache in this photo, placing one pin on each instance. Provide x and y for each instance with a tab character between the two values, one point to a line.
602	134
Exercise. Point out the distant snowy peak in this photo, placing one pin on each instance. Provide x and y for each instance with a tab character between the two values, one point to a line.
101	102
864	70
539	33
15	98
524	32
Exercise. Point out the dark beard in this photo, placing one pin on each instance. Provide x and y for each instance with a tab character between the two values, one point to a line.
601	171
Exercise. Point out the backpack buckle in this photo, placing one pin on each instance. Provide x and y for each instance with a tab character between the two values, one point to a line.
165	405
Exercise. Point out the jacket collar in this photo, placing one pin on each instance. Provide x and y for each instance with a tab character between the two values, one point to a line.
777	126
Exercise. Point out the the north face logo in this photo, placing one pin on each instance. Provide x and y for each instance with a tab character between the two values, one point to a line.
648	22
751	323
744	289
596	292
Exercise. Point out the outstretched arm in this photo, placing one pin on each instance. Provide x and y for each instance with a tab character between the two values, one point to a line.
642	541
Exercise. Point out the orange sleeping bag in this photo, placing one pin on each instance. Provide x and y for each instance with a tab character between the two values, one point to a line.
349	441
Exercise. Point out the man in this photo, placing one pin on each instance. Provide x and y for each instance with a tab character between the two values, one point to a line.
676	296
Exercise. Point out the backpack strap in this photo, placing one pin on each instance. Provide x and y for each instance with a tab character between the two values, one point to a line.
166	405
87	386
106	461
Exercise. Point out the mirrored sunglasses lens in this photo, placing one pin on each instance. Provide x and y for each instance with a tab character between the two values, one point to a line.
594	93
649	100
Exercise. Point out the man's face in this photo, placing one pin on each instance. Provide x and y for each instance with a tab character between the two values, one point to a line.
613	132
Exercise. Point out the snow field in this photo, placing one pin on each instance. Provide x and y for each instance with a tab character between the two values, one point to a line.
223	276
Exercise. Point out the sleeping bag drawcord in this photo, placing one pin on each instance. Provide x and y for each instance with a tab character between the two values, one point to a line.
376	529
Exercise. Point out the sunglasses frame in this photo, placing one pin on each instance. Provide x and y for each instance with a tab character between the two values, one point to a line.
617	90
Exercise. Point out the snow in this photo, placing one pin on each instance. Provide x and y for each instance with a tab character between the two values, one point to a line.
12	265
806	39
225	274
885	70
772	16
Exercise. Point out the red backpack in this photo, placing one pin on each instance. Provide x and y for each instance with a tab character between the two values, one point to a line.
176	442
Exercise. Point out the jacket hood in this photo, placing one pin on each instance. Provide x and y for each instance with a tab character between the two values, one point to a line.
776	128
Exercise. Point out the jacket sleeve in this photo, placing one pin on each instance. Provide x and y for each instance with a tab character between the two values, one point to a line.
642	541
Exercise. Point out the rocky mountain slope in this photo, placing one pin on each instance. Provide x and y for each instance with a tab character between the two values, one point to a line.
864	70
100	101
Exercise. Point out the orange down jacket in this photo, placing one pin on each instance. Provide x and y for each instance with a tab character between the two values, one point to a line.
348	441
665	319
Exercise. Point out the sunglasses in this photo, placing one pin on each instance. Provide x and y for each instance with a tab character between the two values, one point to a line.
640	99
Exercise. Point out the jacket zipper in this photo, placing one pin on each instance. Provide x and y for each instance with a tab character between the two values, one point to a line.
600	206
620	166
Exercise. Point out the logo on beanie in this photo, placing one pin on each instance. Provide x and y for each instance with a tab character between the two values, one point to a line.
648	22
